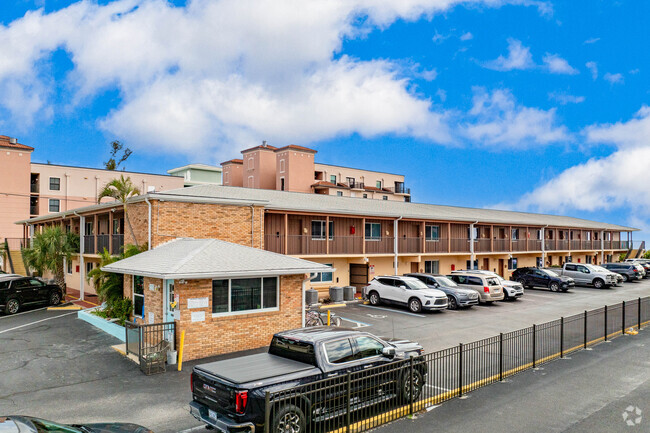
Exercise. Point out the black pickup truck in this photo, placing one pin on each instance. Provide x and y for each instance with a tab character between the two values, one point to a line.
230	395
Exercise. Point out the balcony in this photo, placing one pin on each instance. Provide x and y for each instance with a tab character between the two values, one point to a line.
354	185
518	245
306	245
399	190
482	246
118	243
436	246
549	244
34	188
89	244
575	245
383	245
502	245
534	245
102	243
562	245
409	245
459	246
33	209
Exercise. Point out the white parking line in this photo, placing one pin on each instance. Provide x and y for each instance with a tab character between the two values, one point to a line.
38	321
392	311
359	324
24	312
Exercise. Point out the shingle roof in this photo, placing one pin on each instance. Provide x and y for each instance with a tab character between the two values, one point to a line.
4	142
294	147
211	258
321	203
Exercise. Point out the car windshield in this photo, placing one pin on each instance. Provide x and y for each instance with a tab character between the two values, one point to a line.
444	281
551	273
415	284
600	269
43	426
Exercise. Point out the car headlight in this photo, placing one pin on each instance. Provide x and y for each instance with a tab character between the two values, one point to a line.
429	297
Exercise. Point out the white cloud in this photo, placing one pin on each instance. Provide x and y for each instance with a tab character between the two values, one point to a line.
442	95
591	41
565	98
613	78
608	183
466	36
217	74
593	68
497	120
557	65
519	57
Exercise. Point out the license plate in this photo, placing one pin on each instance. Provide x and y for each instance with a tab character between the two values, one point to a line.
212	414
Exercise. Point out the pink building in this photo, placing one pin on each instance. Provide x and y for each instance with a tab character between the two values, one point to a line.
293	168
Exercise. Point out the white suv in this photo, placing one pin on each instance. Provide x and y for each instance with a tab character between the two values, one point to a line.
408	291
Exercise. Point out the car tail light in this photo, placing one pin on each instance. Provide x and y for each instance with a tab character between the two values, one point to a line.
636	270
192	382
241	398
486	289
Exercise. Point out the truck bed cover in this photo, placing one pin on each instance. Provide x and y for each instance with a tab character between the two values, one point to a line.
253	368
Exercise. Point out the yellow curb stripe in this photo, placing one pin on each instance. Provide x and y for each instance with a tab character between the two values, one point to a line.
67	307
327	307
117	349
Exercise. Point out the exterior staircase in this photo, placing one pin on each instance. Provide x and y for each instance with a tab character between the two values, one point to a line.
17	262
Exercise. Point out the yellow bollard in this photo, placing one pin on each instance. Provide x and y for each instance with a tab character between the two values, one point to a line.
180	352
329	317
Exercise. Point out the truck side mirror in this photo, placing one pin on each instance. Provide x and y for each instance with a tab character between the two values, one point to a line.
388	352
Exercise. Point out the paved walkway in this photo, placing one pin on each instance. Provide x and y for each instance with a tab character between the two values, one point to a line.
89	301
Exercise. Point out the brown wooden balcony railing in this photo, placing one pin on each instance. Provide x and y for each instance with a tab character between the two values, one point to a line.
346	245
381	246
549	244
89	244
102	243
409	245
483	245
501	245
534	245
608	244
575	245
459	246
438	246
118	243
562	245
518	245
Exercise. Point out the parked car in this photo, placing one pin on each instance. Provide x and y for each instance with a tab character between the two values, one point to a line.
619	277
629	271
644	263
457	297
511	289
19	291
586	274
229	395
407	291
28	424
535	277
489	288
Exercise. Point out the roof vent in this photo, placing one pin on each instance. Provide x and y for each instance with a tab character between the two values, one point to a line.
264	143
12	140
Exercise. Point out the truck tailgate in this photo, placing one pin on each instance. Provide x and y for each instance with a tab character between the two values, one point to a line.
253	368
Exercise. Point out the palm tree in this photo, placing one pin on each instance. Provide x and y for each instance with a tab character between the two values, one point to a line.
48	251
108	285
121	190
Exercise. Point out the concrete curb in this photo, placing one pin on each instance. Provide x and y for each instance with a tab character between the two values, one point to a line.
111	328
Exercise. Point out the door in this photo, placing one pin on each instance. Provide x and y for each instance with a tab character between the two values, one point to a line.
582	275
39	289
486	264
502	268
401	292
571	270
24	290
169	302
358	275
415	266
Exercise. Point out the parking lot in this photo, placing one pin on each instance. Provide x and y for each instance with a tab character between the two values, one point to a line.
440	330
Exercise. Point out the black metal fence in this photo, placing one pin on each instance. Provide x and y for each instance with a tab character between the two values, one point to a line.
149	343
361	399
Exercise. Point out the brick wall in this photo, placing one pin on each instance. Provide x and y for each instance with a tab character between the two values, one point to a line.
224	334
152	298
171	220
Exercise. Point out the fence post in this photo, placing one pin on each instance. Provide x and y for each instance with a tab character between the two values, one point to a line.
460	369
349	397
411	386
561	337
501	357
267	412
605	323
126	332
623	319
534	344
585	332
639	315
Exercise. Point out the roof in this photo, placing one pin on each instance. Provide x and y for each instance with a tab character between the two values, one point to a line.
5	142
261	146
195	166
186	258
233	161
321	203
106	170
323	183
294	147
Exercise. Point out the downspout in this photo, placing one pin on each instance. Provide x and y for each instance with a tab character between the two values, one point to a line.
471	245
252	225
302	306
602	247
395	233
544	245
82	268
146	199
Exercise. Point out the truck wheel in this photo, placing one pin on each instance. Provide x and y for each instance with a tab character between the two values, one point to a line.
555	287
598	283
405	385
289	419
374	298
12	306
415	306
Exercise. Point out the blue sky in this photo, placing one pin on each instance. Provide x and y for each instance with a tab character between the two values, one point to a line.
520	104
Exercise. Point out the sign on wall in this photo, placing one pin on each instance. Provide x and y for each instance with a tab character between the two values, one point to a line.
198	316
371	269
198	303
151	319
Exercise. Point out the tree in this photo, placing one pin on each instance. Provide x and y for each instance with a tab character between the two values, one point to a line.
116	147
121	190
48	251
109	285
646	255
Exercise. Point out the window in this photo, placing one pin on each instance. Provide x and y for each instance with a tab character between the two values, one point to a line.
568	259
407	199
339	193
251	182
55	184
281	184
589	259
365	196
539	262
609	258
88	231
323	277
608	236
378	184
570	267
318	231
469	233
385	197
432	233
583	269
226	178
138	296
431	266
468	264
373	231
89	267
244	294
282	166
339	351
69	265
386	281
251	163
539	235
474	281
515	234
368	347
54	205
333	179
512	263
350	181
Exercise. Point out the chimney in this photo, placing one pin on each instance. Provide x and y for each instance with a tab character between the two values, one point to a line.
12	140
264	143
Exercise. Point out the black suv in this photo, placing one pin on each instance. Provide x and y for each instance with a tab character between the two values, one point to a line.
535	277
16	291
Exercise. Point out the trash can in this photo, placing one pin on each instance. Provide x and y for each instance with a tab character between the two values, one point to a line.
349	292
311	296
172	357
336	294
